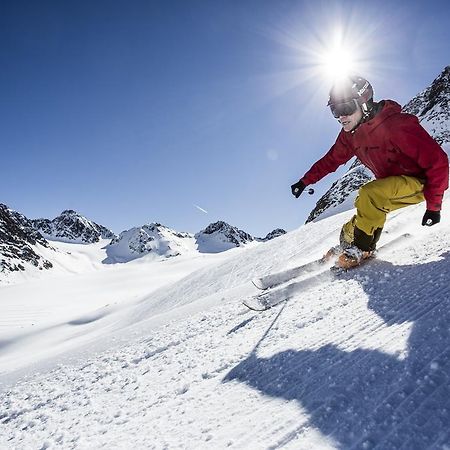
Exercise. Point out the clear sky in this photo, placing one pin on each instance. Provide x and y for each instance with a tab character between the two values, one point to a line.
187	112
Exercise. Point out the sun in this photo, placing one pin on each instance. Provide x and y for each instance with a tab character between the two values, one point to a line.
340	58
337	63
318	49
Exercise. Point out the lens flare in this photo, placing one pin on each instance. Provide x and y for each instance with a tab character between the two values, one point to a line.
339	57
317	47
337	63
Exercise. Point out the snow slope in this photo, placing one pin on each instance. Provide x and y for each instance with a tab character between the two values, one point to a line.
360	360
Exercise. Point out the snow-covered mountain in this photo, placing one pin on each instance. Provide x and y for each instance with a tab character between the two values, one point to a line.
19	242
272	235
343	189
153	238
221	236
71	226
431	106
160	241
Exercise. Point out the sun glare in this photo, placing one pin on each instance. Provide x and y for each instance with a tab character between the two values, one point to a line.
337	63
339	58
323	47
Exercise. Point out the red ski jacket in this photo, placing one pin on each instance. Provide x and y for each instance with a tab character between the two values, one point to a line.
392	143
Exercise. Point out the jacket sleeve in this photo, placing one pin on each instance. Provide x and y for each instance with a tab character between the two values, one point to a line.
339	154
414	141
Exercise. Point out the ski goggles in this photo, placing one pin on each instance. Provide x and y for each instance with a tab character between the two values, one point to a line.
344	109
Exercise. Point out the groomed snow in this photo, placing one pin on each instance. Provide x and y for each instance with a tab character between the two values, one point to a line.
164	355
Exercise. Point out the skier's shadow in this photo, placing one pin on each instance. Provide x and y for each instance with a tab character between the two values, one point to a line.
365	398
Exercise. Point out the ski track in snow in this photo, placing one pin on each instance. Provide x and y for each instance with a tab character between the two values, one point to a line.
360	360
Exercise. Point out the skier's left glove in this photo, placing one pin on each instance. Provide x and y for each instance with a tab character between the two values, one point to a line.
431	218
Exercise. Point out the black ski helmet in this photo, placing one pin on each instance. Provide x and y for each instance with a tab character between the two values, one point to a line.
350	88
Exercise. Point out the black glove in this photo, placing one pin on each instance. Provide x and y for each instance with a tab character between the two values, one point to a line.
298	188
431	218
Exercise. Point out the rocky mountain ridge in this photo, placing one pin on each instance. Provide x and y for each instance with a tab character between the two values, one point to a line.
431	106
272	235
18	242
153	238
160	241
221	236
71	226
20	238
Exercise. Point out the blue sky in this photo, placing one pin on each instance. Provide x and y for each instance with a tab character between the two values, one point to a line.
138	111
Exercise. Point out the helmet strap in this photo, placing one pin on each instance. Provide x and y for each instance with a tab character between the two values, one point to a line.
365	116
365	110
368	110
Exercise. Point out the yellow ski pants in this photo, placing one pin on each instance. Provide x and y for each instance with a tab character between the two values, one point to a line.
379	197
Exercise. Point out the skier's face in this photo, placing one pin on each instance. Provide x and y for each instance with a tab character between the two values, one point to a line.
350	122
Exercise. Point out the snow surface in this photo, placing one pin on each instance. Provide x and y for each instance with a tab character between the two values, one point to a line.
162	354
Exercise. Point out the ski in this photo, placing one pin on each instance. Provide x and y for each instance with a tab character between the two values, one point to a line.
275	279
256	305
266	300
272	297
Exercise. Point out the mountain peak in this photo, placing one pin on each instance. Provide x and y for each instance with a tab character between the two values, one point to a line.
432	107
153	238
273	234
71	226
220	236
18	239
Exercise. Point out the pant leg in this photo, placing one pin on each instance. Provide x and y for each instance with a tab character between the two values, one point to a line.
376	199
348	233
379	197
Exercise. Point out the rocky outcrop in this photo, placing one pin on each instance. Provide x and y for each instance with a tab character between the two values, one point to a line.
221	236
272	235
432	107
341	189
153	238
18	241
72	227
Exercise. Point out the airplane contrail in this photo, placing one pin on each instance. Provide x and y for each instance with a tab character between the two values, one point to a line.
201	209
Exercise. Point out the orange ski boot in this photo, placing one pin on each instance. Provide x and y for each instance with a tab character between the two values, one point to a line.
352	257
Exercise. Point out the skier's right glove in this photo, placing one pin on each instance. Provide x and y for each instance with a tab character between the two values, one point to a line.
431	218
298	188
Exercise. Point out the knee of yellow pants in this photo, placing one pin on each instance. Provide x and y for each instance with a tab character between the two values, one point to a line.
392	189
379	197
370	205
373	188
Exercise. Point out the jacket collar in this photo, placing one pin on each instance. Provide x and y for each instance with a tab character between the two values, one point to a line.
387	109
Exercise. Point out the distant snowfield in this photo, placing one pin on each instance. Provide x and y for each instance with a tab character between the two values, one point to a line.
41	317
163	354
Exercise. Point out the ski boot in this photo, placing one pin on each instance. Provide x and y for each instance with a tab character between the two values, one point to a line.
351	257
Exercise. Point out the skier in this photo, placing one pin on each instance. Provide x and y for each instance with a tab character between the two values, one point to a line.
408	164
